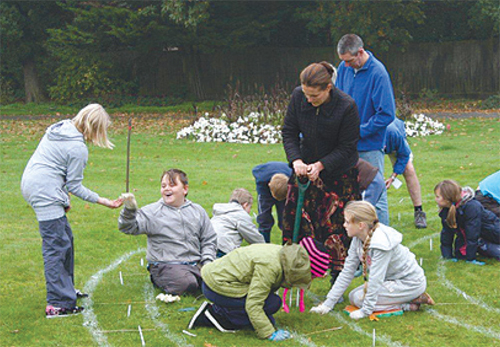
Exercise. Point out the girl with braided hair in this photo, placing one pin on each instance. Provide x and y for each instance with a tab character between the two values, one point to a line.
393	279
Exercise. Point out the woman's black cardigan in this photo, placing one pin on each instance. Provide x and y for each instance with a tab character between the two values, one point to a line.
330	132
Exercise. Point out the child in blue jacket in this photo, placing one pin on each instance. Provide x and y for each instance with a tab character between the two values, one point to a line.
271	180
467	222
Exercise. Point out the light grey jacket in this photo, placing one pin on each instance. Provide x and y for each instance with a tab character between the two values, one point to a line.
55	169
388	260
174	234
233	224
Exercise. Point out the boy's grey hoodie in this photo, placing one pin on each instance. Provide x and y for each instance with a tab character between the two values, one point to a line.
388	260
233	224
55	169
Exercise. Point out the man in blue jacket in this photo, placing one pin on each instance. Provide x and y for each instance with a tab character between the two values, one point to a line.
399	152
366	80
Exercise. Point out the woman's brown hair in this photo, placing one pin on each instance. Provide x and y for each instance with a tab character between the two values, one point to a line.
317	75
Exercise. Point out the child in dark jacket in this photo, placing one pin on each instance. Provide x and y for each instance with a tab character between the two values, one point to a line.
271	180
467	222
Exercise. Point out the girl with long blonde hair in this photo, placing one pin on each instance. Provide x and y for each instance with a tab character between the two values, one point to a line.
393	279
53	172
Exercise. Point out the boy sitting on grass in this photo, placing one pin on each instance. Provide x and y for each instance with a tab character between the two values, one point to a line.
180	236
232	222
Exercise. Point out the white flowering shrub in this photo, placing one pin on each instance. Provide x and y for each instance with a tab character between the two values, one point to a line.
248	129
420	125
253	129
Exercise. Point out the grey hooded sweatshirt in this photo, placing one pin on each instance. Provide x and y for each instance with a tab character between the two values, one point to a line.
233	224
55	169
388	260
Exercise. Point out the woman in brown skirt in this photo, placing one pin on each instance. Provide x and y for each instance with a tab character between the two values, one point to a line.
320	135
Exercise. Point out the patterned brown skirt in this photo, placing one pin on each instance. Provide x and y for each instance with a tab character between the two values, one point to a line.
323	214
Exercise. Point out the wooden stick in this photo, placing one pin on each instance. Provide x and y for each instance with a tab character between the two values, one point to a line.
322	331
127	179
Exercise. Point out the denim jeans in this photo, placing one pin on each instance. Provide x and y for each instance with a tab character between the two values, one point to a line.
376	158
374	191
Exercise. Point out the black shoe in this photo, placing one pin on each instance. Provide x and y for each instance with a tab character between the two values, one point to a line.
80	294
221	323
199	319
420	220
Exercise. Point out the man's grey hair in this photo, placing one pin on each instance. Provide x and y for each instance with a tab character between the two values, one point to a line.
349	43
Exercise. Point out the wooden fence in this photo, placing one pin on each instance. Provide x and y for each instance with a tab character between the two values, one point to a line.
456	69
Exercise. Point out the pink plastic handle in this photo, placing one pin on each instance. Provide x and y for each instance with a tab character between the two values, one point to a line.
302	305
285	306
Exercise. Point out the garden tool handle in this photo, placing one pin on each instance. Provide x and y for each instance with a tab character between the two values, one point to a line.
302	187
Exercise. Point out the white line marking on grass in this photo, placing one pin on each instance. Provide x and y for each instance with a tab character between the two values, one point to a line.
154	313
340	317
421	240
384	339
302	339
481	330
441	273
142	336
89	317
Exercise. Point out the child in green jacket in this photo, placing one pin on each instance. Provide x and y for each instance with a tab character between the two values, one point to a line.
242	287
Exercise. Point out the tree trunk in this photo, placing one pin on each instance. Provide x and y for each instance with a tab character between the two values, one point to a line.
32	86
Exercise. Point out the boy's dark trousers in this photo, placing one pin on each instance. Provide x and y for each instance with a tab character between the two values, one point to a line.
58	259
233	309
265	218
175	277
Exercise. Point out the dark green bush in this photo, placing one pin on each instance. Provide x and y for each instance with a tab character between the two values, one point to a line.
493	102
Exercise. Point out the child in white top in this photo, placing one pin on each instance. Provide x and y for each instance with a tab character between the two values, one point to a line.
395	280
232	222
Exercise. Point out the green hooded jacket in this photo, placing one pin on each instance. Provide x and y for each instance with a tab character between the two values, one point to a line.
255	271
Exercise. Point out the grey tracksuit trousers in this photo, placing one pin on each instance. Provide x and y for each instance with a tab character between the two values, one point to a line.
58	258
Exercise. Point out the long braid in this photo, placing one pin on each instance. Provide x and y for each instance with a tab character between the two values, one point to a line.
366	246
363	212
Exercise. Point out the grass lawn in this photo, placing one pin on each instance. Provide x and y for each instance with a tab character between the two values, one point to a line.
468	296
